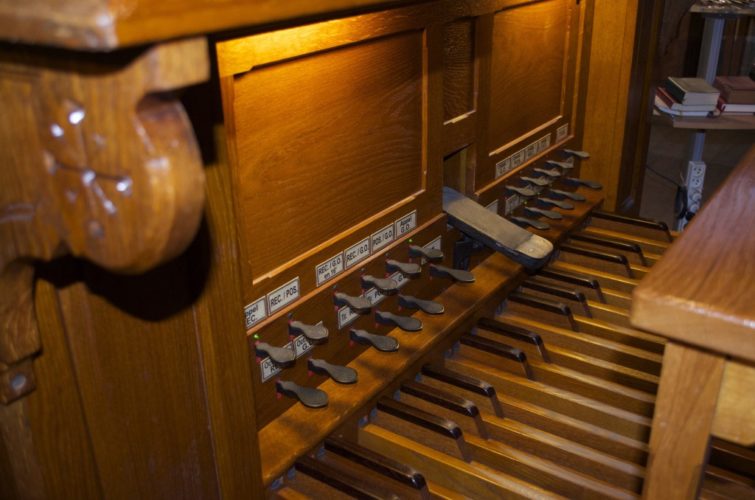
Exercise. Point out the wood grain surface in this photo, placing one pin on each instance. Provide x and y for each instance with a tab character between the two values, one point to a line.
687	397
703	291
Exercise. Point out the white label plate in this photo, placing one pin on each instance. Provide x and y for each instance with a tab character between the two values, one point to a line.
400	278
374	296
346	316
268	369
517	159
503	167
406	224
433	245
357	253
512	203
255	312
329	269
531	151
493	207
283	296
562	132
382	238
302	345
544	143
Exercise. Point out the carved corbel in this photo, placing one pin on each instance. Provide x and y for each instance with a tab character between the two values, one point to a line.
99	160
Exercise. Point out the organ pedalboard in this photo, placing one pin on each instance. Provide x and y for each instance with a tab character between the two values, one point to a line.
365	250
548	394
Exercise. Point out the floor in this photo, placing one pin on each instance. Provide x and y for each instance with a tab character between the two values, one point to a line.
667	163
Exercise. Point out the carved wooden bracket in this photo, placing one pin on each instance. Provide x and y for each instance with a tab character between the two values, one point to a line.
98	160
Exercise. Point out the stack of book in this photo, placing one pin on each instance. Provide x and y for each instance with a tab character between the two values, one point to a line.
737	95
686	97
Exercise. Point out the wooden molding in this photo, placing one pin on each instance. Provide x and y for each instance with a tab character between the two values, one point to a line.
99	162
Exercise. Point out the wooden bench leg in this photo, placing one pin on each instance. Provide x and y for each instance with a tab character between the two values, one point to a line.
685	407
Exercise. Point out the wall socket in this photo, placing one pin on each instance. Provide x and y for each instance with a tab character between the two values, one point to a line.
694	183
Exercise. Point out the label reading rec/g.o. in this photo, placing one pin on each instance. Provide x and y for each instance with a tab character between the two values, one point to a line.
255	312
357	253
382	238
562	132
283	296
406	224
329	269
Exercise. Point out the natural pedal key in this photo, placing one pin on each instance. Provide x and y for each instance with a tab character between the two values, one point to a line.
340	374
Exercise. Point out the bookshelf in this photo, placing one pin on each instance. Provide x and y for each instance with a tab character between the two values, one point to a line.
715	16
724	122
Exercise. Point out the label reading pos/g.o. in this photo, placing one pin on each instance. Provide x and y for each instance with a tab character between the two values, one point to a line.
283	296
382	237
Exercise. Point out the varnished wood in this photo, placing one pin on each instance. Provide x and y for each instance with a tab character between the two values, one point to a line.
469	479
733	419
608	93
719	278
157	385
683	418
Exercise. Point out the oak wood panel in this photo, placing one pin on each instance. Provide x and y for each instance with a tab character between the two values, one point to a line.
708	303
221	337
458	69
140	382
66	458
608	92
337	127
529	45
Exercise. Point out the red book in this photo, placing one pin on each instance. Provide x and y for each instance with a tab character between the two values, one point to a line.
736	89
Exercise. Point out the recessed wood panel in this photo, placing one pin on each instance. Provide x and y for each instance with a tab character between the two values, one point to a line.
325	141
458	69
528	69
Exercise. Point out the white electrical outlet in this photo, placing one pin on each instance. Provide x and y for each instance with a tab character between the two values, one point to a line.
694	183
695	179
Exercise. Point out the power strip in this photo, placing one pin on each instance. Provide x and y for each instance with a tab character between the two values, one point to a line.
695	181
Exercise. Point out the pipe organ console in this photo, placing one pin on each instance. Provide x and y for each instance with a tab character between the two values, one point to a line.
345	249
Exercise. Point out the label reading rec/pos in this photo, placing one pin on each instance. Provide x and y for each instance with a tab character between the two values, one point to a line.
283	296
